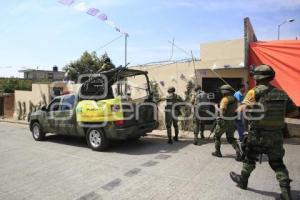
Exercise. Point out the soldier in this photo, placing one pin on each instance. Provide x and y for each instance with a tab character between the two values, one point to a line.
226	123
171	99
240	123
107	64
265	134
199	111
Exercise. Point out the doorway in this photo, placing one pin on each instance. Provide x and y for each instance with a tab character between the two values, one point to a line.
1	106
212	85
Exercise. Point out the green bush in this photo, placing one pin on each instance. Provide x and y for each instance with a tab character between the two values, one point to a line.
9	85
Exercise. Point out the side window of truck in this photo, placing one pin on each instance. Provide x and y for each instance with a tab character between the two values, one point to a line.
68	102
54	105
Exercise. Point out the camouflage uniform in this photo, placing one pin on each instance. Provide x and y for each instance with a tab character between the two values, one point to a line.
171	99
265	135
228	105
107	65
199	111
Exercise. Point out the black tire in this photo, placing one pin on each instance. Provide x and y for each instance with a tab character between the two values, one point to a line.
37	132
96	139
134	139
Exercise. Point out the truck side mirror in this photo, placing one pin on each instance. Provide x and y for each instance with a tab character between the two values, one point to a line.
44	108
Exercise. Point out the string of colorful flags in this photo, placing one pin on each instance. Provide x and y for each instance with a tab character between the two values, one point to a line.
94	12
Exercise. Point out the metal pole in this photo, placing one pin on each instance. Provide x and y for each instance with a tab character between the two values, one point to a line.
125	49
278	32
196	78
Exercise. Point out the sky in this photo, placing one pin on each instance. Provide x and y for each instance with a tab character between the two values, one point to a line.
43	33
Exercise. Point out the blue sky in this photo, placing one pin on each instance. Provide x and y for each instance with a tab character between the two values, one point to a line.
43	33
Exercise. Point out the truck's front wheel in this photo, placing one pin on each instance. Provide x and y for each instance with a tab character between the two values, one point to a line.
37	132
96	139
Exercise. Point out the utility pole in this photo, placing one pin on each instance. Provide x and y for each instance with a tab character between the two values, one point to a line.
126	36
279	25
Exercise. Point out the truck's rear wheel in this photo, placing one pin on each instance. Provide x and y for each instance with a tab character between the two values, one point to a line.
37	132
96	139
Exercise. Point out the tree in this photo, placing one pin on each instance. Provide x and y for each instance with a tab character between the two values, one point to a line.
88	63
9	85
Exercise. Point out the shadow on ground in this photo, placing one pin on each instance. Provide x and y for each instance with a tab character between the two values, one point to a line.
67	140
292	141
146	145
295	193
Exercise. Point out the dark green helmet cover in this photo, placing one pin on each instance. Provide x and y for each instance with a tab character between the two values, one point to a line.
171	89
263	72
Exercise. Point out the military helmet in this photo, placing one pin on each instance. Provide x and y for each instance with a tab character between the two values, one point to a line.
106	60
171	89
226	89
263	71
198	87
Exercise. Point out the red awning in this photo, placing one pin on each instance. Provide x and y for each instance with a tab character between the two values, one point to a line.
284	57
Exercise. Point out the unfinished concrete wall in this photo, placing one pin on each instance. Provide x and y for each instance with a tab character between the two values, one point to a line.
39	95
223	50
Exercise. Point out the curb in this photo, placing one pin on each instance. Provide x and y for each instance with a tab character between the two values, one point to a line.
185	136
14	122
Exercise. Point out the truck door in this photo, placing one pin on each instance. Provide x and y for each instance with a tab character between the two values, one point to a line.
52	115
66	120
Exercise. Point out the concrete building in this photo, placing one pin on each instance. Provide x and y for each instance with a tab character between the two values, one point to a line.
43	75
220	62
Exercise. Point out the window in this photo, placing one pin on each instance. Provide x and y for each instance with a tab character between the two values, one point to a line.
50	76
54	105
137	87
68	102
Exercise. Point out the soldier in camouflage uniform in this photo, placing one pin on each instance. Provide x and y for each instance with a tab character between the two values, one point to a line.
107	64
171	99
226	123
199	97
265	133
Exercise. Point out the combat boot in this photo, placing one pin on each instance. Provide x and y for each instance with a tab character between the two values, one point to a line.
175	138
239	180
217	154
239	157
238	151
170	141
286	194
195	140
202	135
285	197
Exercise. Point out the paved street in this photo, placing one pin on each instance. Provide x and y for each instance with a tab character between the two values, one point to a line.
65	168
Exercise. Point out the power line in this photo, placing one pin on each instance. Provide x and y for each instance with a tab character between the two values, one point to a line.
179	48
108	43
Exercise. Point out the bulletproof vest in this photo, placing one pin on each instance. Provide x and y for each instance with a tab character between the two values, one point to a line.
170	100
274	102
201	97
231	107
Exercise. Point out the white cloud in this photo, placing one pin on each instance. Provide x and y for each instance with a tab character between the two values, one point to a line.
81	6
110	3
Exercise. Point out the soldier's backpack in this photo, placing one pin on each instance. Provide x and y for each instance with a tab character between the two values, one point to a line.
273	102
201	97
